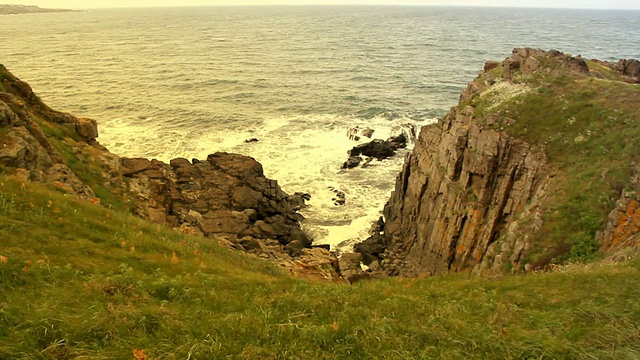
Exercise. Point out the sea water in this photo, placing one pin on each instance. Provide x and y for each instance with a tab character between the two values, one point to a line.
187	82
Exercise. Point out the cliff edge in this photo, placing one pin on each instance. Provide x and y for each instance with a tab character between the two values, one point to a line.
537	164
226	197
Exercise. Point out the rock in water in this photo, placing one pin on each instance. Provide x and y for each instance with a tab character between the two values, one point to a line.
397	142
378	149
352	162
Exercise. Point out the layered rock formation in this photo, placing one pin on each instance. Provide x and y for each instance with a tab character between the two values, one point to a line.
458	192
470	196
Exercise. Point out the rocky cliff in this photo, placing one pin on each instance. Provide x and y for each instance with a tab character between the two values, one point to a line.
225	197
523	172
6	9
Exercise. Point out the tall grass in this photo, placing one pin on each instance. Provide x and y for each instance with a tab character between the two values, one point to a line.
80	281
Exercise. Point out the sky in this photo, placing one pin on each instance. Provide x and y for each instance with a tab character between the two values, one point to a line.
85	4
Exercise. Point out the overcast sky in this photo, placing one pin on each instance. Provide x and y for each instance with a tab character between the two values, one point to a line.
83	4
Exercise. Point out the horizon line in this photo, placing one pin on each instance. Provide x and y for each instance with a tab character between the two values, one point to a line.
360	5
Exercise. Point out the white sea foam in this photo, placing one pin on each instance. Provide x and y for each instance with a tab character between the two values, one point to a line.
162	84
304	153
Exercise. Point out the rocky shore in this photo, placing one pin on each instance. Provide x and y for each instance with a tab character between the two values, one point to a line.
475	194
225	197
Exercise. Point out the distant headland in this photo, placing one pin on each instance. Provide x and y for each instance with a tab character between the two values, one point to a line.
28	9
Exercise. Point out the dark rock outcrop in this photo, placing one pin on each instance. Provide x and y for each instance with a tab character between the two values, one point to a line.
227	195
629	67
352	162
375	149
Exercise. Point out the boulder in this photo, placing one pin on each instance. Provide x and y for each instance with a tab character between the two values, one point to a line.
397	142
87	129
294	248
490	65
249	244
133	166
374	245
352	162
349	266
378	149
224	222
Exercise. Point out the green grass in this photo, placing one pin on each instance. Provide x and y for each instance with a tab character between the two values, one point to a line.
72	287
589	129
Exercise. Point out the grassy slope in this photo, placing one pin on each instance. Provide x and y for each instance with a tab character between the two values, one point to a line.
80	281
590	130
76	154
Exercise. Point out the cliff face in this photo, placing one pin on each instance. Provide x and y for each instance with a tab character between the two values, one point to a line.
225	197
478	189
461	190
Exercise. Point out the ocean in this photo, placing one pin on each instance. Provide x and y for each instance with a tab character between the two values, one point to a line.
187	82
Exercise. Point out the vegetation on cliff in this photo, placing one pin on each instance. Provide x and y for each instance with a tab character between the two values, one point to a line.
82	277
79	280
538	164
584	116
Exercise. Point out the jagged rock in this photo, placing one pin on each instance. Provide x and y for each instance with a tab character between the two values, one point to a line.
131	167
298	235
294	248
25	146
378	149
249	244
298	199
622	231
352	162
229	191
630	67
397	142
490	65
462	187
252	140
371	248
87	129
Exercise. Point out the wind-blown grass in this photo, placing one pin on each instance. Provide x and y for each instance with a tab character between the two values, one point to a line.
80	281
